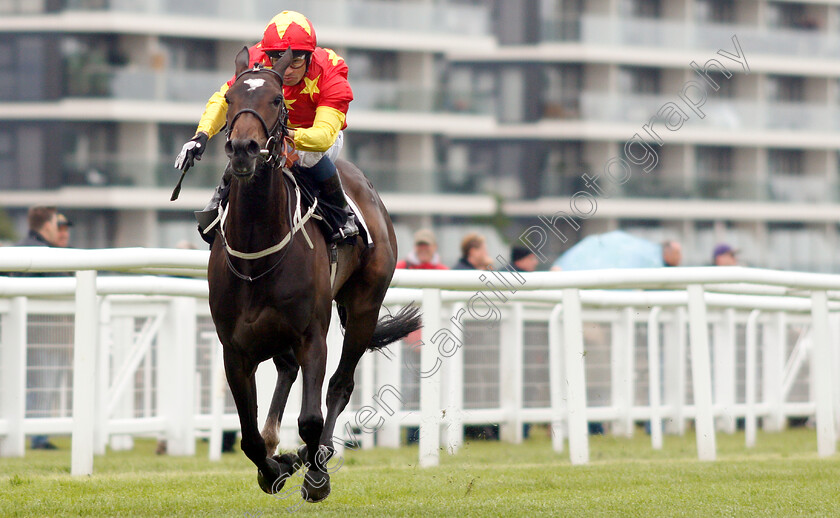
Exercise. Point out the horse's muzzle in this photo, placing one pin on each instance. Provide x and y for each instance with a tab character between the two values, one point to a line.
243	154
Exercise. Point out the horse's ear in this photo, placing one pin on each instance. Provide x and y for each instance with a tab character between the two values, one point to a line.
284	62
242	60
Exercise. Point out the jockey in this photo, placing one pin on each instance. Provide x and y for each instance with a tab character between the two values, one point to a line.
317	96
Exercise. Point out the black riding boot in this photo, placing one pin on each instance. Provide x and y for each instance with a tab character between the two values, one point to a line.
208	215
341	217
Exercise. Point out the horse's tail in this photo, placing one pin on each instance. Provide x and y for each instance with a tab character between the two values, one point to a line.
391	328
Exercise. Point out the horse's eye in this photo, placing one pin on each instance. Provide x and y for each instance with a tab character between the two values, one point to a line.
226	99
277	100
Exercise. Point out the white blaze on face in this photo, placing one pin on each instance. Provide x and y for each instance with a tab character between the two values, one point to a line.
254	83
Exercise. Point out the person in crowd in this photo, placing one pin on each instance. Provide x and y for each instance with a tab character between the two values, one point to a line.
671	253
424	256
43	230
317	96
523	259
474	254
724	255
62	239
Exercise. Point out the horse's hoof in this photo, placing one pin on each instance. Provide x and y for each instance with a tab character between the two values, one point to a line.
285	465
316	486
270	484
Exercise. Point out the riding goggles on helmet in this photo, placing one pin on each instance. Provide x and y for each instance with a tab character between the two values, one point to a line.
298	58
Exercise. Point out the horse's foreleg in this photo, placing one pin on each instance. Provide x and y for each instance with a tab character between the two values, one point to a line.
287	369
240	378
313	360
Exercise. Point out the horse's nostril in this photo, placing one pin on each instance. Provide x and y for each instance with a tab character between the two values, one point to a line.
228	148
253	149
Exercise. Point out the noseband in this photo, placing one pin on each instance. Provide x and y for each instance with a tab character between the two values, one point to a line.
274	143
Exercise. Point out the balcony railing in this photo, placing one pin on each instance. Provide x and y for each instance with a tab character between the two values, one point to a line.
659	34
417	17
719	186
720	113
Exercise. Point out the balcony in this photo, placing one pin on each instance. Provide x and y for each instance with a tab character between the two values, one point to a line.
659	34
417	17
719	186
720	113
145	84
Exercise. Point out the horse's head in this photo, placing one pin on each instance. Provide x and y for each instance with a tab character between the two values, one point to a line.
256	115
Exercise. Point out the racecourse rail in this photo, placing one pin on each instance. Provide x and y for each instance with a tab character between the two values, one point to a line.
674	306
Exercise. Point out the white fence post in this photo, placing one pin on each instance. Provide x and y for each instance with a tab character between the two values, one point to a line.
510	373
774	353
454	420
430	365
826	431
218	384
84	372
654	389
751	375
556	377
575	377
674	375
176	375
724	372
388	364
622	369
701	373
102	378
13	378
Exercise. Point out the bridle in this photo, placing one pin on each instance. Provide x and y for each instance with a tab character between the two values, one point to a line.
275	156
273	149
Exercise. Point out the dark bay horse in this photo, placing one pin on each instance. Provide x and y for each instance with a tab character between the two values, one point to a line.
270	288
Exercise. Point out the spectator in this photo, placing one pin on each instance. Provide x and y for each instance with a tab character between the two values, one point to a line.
523	259
424	256
619	249
671	253
62	239
724	255
43	231
474	254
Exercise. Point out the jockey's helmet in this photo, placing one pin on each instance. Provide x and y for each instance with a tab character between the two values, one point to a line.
289	29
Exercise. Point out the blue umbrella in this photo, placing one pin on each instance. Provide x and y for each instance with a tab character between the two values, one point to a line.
616	249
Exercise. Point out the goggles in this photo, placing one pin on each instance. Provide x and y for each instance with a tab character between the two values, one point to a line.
298	60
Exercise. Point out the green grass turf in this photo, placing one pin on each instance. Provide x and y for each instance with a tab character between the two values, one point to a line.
782	476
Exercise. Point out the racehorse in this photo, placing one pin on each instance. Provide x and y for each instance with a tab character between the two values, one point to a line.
271	289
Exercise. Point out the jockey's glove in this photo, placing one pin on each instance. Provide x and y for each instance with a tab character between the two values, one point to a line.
191	151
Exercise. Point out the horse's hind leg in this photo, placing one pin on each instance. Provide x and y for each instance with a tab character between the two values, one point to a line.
357	337
287	369
240	378
313	361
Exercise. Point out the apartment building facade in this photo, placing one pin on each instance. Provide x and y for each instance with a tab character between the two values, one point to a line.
466	113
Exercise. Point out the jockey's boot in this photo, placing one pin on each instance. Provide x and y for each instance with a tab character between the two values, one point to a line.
207	216
342	219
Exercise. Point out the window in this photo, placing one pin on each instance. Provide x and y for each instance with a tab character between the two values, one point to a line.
786	88
642	8
713	161
639	80
785	161
8	164
716	11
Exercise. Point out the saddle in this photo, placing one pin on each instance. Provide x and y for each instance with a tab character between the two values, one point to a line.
309	196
